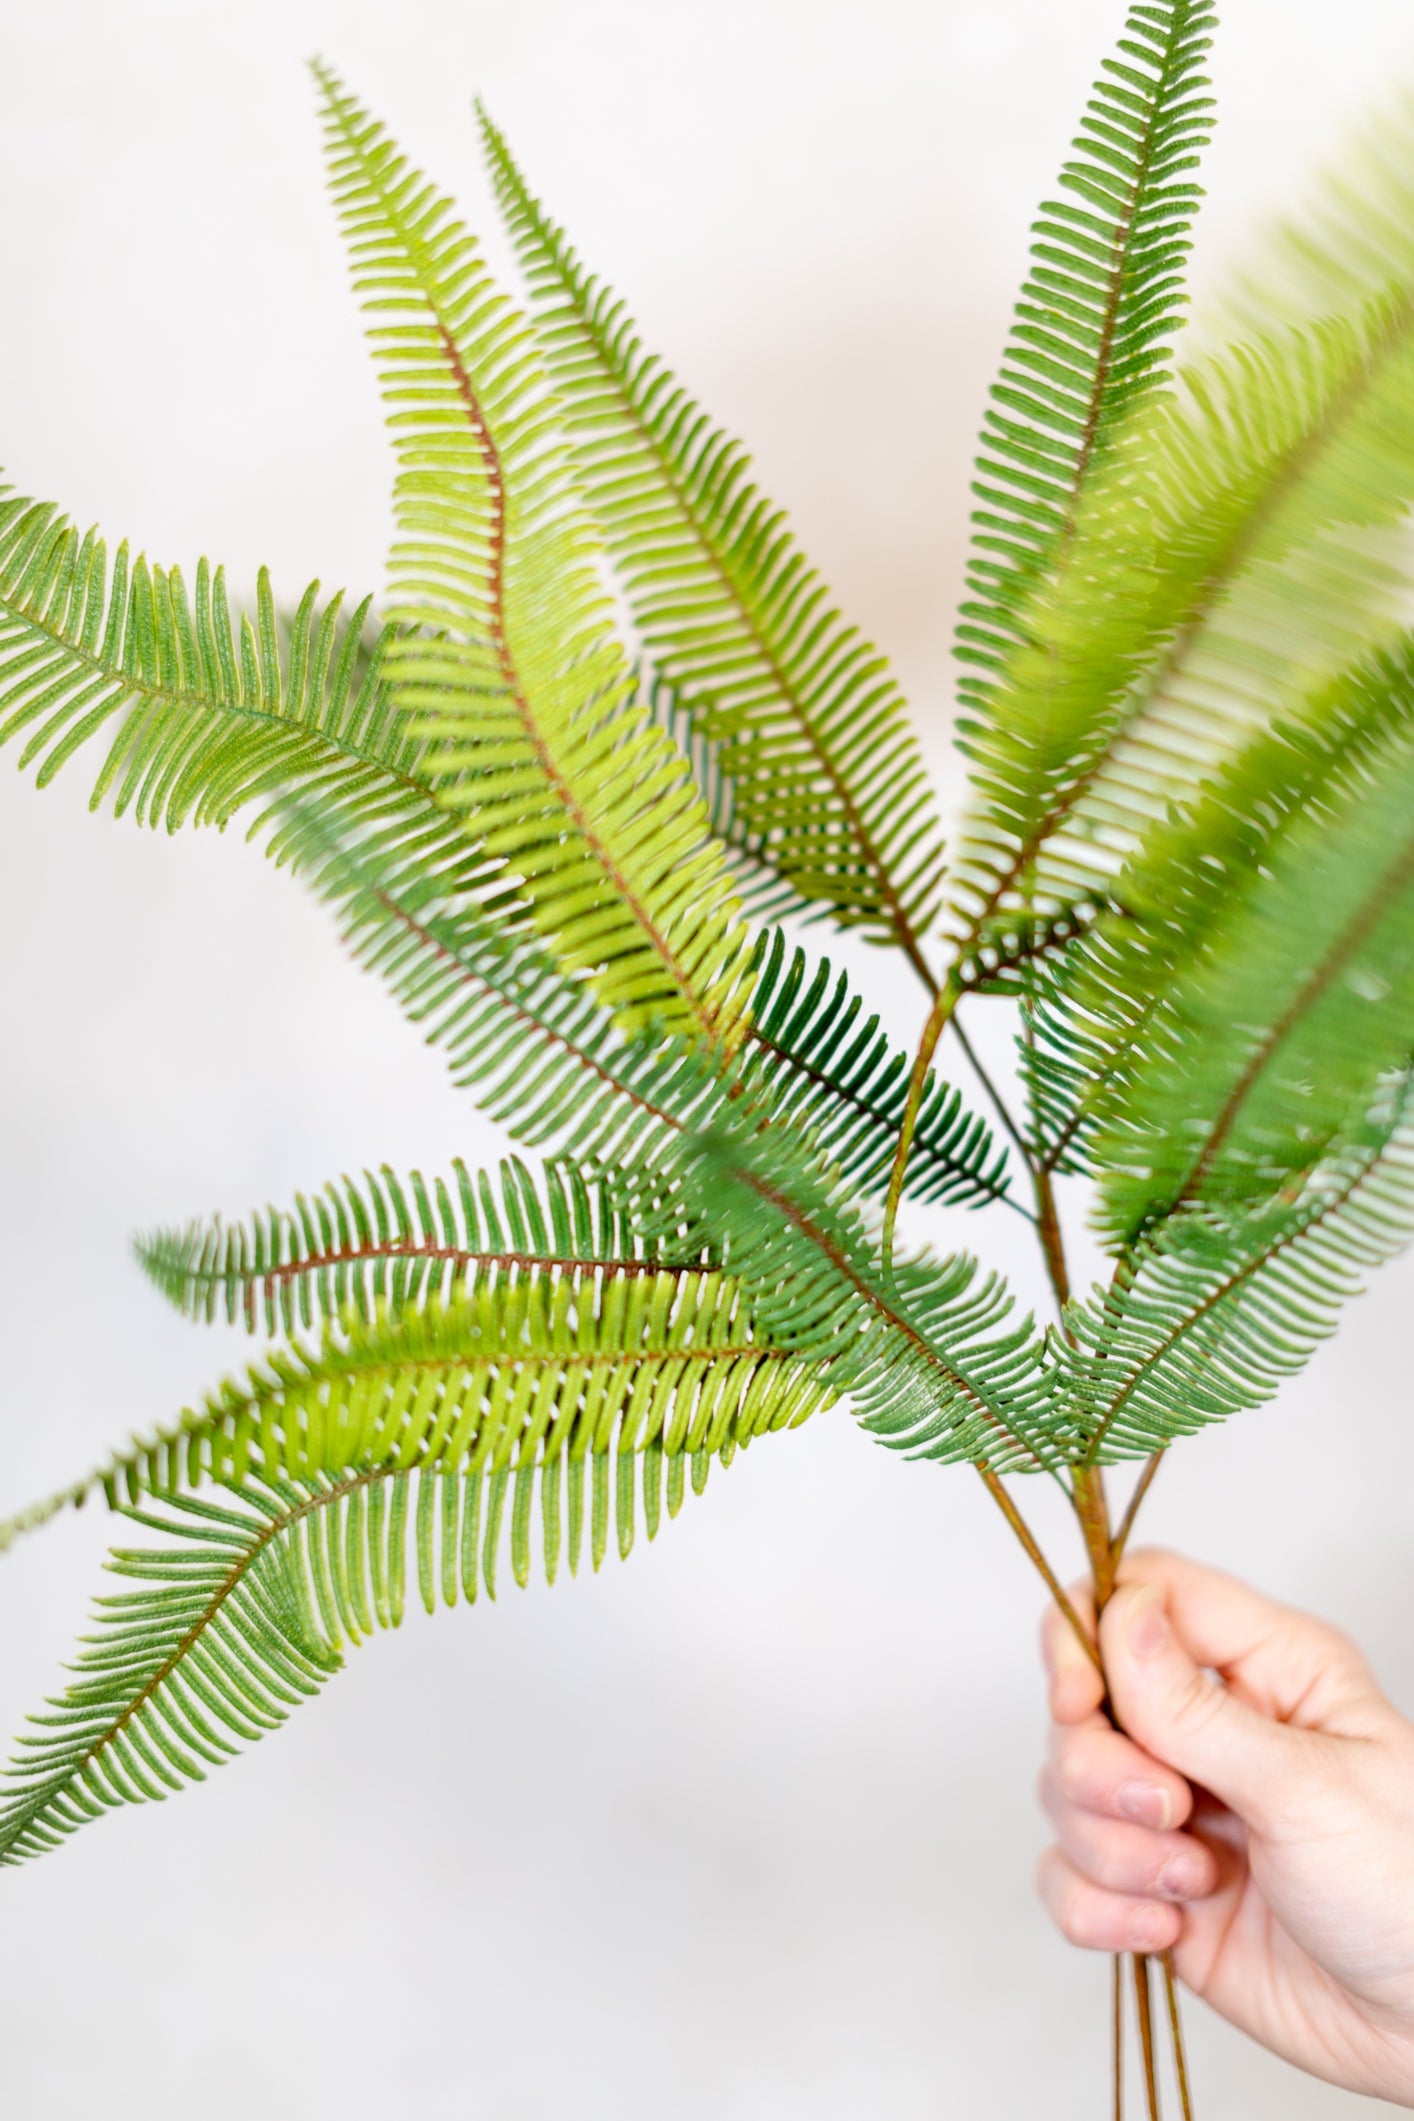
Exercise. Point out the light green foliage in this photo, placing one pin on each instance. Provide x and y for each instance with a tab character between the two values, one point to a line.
506	647
1186	871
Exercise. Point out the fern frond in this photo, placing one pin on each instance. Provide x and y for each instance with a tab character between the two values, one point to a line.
245	1611
1270	1044
1231	558
516	1379
508	653
204	713
543	1059
1094	1010
390	1246
807	723
922	1348
1093	325
1210	1316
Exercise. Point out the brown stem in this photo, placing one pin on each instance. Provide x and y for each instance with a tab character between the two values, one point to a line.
1145	1482
1180	2059
1117	2034
1027	1540
1144	2005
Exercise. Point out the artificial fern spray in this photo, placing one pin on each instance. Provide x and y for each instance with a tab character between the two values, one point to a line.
1186	873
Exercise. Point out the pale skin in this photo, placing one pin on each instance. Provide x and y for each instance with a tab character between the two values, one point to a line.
1260	1824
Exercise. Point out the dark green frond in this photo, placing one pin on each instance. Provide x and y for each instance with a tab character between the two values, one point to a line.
923	1349
807	723
389	1246
1216	1310
1094	323
508	653
1095	1011
827	1067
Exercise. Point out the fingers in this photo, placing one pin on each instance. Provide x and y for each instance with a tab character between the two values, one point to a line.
1124	1858
1099	1920
1284	1663
1104	1772
1175	1712
1076	1686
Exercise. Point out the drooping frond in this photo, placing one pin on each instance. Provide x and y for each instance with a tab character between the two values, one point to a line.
923	1349
389	1246
1269	1046
508	653
1094	323
203	714
246	1608
808	725
1229	561
519	1382
1094	1010
1212	1314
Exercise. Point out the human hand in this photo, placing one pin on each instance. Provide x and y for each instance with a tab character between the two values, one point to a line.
1260	1826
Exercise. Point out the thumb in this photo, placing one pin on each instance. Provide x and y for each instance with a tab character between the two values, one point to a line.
1177	1713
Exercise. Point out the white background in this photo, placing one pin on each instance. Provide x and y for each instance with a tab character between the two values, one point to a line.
746	1827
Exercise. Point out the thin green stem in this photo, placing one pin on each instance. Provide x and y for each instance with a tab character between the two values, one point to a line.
1144	2005
944	1002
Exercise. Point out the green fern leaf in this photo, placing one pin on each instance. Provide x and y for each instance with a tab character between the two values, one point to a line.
507	651
1093	324
389	1247
1271	1044
806	722
203	715
1235	552
1212	1314
519	1377
1094	1010
922	1348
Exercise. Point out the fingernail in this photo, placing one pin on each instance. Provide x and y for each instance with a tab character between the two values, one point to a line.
1145	1803
1182	1877
1148	1623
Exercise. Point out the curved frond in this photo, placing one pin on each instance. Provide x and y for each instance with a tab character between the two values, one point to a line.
508	654
204	713
1270	1045
246	1608
1093	326
806	721
518	1381
1231	558
1209	1316
1094	1010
